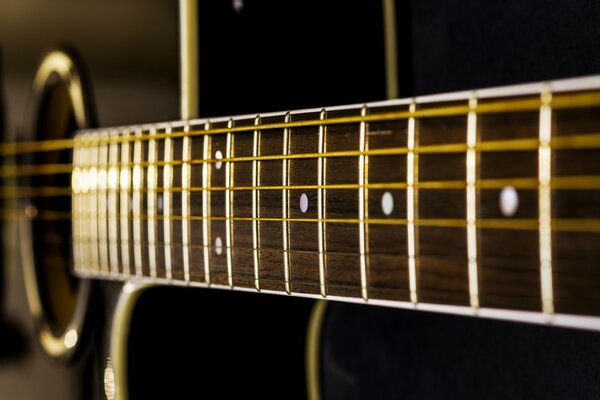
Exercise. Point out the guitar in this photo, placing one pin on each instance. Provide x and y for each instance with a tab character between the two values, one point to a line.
284	254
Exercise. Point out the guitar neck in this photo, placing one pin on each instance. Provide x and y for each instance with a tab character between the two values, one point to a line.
476	202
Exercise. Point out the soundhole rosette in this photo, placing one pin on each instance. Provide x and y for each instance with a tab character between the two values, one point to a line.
57	300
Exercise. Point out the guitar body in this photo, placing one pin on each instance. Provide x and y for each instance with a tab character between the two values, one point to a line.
192	341
179	342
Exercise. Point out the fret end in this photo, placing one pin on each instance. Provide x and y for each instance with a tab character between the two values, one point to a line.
323	291
413	298
475	303
365	294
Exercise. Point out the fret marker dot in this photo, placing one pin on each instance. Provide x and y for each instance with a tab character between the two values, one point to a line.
387	203
509	201
303	202
218	156
159	202
238	5
218	246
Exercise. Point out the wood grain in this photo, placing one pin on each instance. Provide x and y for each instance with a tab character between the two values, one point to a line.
507	256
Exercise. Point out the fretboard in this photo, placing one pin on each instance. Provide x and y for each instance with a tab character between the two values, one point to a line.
472	202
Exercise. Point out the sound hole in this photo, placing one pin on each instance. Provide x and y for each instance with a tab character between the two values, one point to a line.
50	212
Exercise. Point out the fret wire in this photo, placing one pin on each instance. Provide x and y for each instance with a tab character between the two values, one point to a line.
101	194
185	203
113	185
77	259
229	204
471	196
151	199
321	201
285	206
86	153
206	205
125	185
411	194
138	184
363	209
256	204
93	206
167	200
561	101
76	207
544	201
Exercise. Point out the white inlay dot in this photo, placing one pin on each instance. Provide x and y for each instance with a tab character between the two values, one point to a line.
218	246
387	203
159	202
238	5
303	202
218	156
509	201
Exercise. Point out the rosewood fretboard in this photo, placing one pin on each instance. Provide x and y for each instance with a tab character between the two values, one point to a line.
483	200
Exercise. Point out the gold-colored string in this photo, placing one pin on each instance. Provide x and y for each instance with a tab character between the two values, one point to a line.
578	141
530	103
589	225
580	182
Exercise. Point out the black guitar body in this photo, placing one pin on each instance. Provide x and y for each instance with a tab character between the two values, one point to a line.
272	55
238	342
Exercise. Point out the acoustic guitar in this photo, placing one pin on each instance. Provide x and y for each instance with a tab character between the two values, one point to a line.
414	247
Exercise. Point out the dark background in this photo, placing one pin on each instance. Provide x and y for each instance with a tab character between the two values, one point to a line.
276	55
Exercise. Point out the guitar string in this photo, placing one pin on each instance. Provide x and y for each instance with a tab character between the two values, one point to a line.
575	182
321	122
263	250
527	103
575	141
589	225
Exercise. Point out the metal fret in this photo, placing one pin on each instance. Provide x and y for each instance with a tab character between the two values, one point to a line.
321	193
152	178
256	205
285	206
125	184
167	185
363	207
444	203
185	202
206	204
472	203
544	202
93	205
86	153
138	184
229	166
76	206
102	180
113	187
411	179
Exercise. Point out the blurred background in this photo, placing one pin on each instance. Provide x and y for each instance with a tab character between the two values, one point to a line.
130	48
131	51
